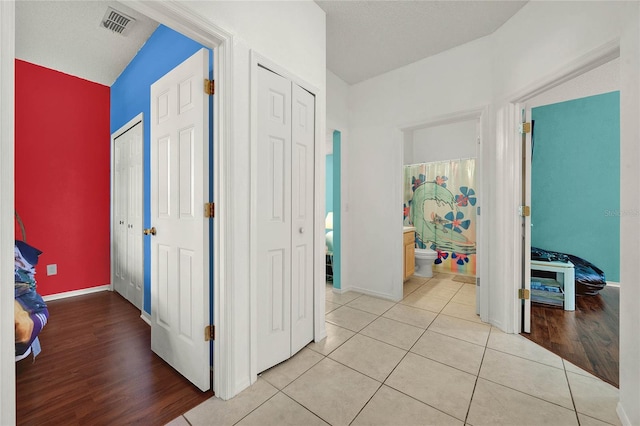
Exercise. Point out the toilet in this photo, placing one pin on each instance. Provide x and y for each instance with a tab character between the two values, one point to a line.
424	262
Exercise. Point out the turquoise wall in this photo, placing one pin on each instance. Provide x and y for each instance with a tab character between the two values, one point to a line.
337	215
575	180
329	185
131	95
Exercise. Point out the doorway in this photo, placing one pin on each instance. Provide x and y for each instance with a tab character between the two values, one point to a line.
456	137
333	209
576	144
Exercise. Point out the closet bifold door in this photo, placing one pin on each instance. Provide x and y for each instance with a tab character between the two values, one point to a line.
127	218
274	219
285	170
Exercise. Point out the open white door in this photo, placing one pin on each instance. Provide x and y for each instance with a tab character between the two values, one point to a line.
179	233
526	131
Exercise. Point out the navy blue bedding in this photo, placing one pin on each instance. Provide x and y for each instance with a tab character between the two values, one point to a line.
589	278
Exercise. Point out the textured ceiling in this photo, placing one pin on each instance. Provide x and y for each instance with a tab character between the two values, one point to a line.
364	38
368	38
67	36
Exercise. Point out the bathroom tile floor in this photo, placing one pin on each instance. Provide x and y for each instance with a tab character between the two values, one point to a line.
427	360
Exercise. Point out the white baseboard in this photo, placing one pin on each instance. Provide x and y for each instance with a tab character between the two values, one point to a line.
145	317
622	415
372	293
613	284
74	293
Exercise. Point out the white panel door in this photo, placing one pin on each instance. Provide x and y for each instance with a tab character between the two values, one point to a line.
526	218
274	219
285	221
120	215
134	275
179	249
302	190
127	218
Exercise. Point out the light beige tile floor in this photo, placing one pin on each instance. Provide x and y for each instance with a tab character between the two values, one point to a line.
427	360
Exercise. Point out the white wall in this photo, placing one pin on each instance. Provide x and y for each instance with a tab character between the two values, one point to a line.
292	35
532	48
453	81
445	142
603	79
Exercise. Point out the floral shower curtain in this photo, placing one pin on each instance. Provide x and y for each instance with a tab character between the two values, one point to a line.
439	201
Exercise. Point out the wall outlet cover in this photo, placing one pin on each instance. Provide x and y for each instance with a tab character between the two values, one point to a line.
52	269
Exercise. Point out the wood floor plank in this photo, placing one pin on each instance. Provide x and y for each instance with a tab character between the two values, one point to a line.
587	337
97	368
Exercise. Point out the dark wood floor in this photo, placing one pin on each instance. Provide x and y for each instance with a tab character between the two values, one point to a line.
97	368
587	337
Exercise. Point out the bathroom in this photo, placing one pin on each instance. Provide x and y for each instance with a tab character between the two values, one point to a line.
440	202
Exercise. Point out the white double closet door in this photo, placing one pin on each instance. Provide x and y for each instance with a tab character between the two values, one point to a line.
127	217
285	197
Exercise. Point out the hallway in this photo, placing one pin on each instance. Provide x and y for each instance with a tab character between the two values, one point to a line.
425	360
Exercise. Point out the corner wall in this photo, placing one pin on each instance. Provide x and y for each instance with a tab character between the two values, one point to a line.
62	175
131	95
453	81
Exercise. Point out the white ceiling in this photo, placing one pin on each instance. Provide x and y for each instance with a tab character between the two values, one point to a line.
364	38
67	36
368	38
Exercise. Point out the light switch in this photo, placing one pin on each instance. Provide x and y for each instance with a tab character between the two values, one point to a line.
52	269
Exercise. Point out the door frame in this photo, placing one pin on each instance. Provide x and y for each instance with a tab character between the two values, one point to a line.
122	130
319	331
481	116
203	31
509	148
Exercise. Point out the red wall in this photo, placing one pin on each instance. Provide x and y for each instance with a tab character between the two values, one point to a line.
62	175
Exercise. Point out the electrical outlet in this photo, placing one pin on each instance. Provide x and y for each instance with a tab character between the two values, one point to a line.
52	269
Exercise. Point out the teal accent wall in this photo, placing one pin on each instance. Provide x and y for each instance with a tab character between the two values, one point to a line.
329	185
131	94
337	202
575	180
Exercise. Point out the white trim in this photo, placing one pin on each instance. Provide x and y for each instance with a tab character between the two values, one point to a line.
7	345
622	415
512	179
613	284
481	116
74	293
319	278
145	317
176	16
130	124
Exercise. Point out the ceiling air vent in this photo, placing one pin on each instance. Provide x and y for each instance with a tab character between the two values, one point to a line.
117	21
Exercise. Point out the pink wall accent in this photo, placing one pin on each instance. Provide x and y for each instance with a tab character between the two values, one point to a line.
62	163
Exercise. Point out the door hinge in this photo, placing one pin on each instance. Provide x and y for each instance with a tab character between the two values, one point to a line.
523	294
209	333
209	210
525	128
209	87
524	211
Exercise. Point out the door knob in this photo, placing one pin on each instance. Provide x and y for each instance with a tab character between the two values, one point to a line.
302	230
150	231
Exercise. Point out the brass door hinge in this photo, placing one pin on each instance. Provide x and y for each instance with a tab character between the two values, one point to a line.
209	210
525	128
209	87
210	333
523	294
525	211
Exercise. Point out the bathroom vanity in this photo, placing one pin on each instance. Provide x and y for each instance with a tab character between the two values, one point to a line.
409	239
